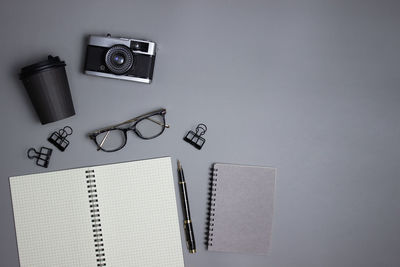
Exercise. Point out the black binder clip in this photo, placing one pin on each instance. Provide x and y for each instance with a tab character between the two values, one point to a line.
42	157
59	139
194	138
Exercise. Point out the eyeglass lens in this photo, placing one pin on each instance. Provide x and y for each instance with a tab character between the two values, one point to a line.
151	126
111	140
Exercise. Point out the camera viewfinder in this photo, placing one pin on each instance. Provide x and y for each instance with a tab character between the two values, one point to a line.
139	46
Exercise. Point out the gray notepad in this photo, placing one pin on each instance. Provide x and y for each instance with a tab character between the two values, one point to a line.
241	209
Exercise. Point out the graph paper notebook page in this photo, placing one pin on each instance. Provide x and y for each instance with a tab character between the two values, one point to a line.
241	208
117	215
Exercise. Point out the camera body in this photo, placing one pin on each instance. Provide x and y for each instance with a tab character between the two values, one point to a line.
120	58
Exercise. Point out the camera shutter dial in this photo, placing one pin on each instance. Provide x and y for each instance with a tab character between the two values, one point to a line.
119	59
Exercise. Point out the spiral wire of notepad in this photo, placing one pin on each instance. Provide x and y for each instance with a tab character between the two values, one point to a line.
211	206
95	218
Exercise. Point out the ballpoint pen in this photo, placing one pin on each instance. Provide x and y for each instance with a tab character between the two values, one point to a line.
187	223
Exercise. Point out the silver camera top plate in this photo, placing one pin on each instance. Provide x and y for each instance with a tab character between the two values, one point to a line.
108	41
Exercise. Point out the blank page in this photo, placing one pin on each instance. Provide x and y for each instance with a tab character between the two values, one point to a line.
138	214
52	219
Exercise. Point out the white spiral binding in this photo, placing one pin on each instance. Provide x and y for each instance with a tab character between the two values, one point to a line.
95	218
213	195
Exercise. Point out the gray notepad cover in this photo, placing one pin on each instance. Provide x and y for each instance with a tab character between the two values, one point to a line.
243	213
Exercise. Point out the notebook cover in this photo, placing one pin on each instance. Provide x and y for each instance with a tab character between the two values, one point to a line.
241	211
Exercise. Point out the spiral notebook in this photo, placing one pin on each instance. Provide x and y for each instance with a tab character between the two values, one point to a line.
117	215
241	208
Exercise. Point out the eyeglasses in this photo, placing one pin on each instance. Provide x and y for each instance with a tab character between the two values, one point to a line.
146	126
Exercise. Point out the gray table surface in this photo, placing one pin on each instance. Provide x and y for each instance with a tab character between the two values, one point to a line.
308	87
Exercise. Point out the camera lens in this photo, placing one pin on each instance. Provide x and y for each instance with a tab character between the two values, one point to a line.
119	59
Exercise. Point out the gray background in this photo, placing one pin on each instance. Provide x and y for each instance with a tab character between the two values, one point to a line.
308	87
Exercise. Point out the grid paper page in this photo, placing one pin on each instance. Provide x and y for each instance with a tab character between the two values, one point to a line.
52	219
139	214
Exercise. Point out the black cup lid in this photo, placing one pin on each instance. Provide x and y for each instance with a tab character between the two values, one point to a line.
51	62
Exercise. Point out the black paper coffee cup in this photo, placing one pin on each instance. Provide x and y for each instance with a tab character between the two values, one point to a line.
47	86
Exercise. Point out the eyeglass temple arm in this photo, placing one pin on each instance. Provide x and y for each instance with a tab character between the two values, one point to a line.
159	123
132	120
138	118
103	140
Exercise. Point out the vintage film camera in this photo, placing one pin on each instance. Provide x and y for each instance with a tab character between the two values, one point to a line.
120	58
